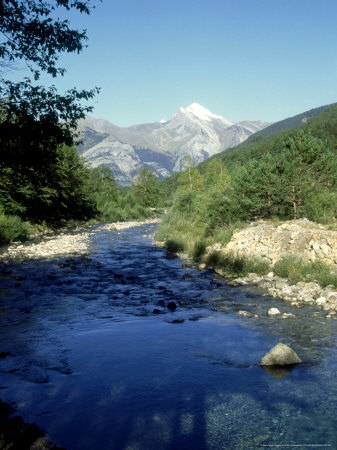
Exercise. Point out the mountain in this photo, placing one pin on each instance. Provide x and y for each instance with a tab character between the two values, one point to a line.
293	121
160	146
321	122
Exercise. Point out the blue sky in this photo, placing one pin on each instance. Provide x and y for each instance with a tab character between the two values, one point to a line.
242	59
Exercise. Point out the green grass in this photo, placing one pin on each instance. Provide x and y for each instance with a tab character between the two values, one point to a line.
296	269
235	265
223	235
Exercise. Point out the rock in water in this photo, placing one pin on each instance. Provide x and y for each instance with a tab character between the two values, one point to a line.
280	355
273	312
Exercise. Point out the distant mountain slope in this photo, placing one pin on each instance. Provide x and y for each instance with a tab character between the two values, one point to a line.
160	146
321	122
293	121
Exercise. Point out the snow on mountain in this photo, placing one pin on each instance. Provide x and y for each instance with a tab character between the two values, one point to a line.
161	146
197	111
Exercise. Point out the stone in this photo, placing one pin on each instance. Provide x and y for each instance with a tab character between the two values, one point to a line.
308	298
273	312
288	315
321	301
280	355
252	275
171	306
280	284
245	313
180	320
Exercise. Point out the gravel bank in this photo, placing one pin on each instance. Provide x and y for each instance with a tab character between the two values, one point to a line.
64	244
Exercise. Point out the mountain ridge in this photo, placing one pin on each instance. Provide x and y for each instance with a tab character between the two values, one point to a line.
160	146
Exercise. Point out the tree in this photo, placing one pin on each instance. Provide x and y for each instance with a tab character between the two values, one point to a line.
216	175
304	164
146	188
104	187
190	178
31	33
41	176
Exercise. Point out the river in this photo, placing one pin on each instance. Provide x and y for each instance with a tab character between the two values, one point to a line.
93	355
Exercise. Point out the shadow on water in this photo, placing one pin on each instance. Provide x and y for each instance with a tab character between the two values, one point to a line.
88	359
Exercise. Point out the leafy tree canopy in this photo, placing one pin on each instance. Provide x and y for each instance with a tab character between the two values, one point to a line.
31	32
146	188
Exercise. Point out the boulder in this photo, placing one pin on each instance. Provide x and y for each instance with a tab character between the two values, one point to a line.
273	312
280	355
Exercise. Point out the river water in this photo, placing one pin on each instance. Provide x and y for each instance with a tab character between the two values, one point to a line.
91	354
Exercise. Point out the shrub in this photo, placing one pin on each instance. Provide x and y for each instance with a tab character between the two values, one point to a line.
12	228
321	207
175	245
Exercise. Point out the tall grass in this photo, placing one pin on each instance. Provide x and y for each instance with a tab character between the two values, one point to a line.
235	265
296	269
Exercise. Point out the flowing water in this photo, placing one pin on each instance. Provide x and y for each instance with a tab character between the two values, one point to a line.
91	354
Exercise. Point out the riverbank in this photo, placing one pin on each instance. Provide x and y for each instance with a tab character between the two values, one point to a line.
295	261
16	434
65	243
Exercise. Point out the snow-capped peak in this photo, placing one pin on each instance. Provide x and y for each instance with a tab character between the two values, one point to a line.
198	111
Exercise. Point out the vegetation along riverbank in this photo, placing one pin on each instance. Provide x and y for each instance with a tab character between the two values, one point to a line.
294	260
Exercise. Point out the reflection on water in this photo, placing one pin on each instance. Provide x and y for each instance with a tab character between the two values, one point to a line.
89	353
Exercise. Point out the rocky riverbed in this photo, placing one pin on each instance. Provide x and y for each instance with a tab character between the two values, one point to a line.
297	295
75	243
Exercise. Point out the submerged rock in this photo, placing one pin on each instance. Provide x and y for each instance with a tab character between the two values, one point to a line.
171	306
245	313
179	320
280	355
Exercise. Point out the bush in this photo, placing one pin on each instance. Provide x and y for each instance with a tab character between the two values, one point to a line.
12	228
321	207
175	245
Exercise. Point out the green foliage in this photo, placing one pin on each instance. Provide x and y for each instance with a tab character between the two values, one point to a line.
302	163
237	265
175	245
12	228
321	206
216	175
41	176
199	248
41	180
296	269
297	178
32	32
146	188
